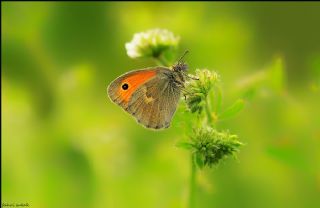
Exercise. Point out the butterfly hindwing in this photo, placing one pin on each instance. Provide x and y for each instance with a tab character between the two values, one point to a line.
154	103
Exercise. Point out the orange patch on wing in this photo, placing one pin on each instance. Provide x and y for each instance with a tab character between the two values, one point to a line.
134	82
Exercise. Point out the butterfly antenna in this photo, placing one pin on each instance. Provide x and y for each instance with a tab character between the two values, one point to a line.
184	54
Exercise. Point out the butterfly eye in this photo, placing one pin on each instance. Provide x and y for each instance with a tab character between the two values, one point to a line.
125	86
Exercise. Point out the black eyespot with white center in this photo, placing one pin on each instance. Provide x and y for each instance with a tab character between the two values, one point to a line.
125	86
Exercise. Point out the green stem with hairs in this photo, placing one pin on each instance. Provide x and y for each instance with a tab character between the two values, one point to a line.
192	190
161	60
209	116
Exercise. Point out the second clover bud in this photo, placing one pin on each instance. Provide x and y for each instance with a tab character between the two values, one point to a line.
198	90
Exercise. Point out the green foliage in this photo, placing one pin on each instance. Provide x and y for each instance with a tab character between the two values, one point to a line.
271	78
185	145
232	110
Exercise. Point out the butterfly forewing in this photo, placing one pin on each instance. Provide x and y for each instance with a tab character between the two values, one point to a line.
134	79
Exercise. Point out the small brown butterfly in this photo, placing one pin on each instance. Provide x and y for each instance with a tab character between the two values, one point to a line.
151	95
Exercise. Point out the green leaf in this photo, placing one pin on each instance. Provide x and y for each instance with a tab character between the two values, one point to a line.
232	110
249	94
184	145
276	75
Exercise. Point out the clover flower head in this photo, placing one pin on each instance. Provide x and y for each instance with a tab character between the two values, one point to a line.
198	89
151	43
210	146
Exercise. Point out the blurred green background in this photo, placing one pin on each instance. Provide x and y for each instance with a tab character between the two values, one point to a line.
64	144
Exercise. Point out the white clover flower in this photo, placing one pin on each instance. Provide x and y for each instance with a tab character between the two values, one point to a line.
151	43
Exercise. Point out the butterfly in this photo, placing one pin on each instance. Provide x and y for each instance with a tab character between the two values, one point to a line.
151	95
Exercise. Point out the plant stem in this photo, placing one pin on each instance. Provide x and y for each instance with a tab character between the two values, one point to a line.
209	116
192	182
161	60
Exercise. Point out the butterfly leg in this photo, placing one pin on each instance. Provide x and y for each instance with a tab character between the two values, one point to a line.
185	93
190	76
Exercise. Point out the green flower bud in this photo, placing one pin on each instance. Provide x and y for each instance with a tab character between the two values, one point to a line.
210	146
198	89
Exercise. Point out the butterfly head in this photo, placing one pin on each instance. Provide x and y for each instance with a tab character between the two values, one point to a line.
180	65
